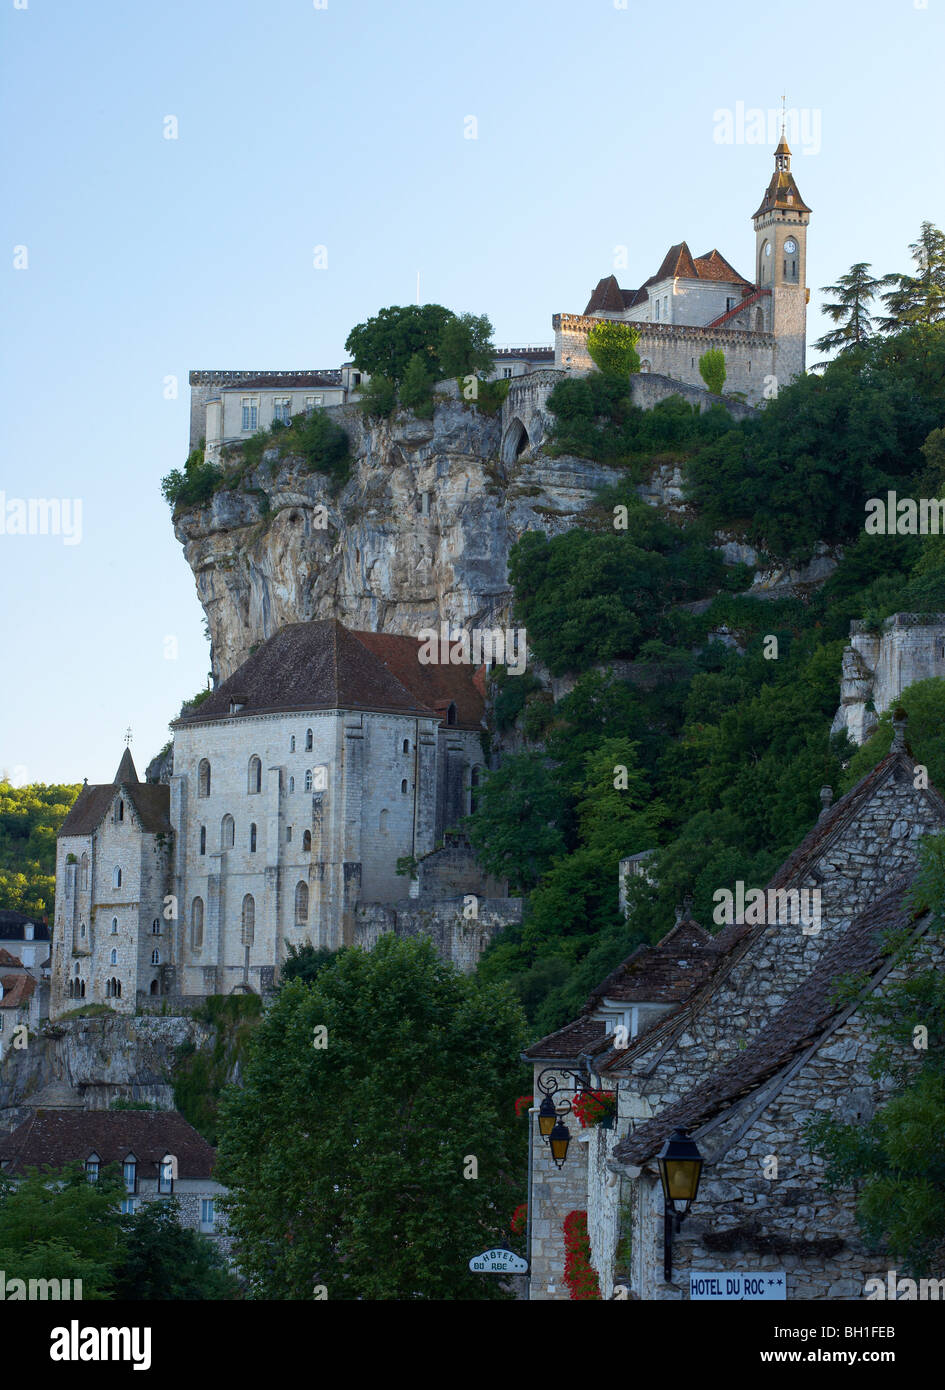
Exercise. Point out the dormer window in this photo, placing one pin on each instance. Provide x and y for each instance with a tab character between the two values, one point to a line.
92	1165
129	1171
451	714
166	1174
236	705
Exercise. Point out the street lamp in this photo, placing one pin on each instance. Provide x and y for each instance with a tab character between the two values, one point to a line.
559	1140
680	1165
547	1114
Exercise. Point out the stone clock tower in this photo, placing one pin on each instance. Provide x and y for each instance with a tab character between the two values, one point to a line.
781	265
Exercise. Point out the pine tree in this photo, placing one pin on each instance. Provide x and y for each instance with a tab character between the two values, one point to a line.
919	298
854	292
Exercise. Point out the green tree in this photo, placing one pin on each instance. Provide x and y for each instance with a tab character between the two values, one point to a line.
163	1260
385	343
712	369
465	347
516	827
30	819
350	1164
854	292
379	397
612	348
58	1225
417	386
305	962
919	298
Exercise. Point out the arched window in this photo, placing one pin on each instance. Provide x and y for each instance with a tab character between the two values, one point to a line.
403	785
227	832
121	809
196	924
156	927
116	878
292	744
113	958
307	840
112	988
155	987
81	990
84	872
249	919
114	926
291	785
82	930
77	967
451	714
155	958
203	778
301	904
406	745
308	779
252	838
308	740
255	775
203	839
382	820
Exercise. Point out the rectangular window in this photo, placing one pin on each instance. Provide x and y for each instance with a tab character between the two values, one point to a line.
657	308
130	1173
729	303
207	1214
91	1170
506	371
282	408
129	1206
309	404
250	413
165	1176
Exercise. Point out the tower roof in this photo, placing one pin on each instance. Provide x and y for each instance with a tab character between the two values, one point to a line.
126	769
782	193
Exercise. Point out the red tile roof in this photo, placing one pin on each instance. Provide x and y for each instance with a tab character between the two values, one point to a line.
18	990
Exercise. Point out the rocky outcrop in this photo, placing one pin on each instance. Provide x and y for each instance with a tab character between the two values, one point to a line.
92	1061
420	533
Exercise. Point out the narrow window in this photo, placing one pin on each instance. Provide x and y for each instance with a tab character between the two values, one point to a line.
291	785
288	833
155	958
82	930
451	714
113	958
203	839
227	832
114	926
207	1213
156	927
130	1173
116	878
307	840
403	785
308	740
308	779
255	775
292	744
121	810
196	924
250	413
301	904
406	747
91	1167
252	839
249	919
84	872
203	778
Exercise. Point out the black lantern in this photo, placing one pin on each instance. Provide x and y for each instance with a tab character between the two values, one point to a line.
680	1165
547	1114
559	1140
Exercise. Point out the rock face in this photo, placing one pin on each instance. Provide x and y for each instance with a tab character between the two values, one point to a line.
420	533
93	1061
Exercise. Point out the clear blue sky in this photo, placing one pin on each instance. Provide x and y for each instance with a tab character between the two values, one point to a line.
344	127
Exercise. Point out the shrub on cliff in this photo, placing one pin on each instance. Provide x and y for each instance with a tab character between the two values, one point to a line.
195	485
448	344
595	418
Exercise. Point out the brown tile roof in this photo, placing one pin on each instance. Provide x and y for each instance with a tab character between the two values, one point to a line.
679	261
583	1035
52	1138
13	926
607	296
7	959
804	1017
151	801
18	990
664	973
780	190
323	665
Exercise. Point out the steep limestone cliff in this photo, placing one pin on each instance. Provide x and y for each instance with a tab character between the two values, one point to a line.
420	533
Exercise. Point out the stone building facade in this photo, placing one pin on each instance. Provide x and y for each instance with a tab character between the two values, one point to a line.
879	665
742	1042
297	785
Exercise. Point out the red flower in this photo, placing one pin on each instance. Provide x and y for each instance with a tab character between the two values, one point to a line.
579	1273
521	1103
519	1217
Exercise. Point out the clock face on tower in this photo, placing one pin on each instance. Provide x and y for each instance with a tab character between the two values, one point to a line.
790	246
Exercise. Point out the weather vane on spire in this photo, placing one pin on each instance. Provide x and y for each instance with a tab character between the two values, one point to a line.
128	736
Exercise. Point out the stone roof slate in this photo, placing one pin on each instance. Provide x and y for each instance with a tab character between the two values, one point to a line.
805	1016
52	1138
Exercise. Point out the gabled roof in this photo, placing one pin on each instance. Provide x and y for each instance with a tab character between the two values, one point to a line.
324	665
52	1138
665	973
7	959
150	800
805	1016
678	263
18	990
583	1035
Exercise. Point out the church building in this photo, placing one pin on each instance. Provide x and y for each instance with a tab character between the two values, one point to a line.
298	784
